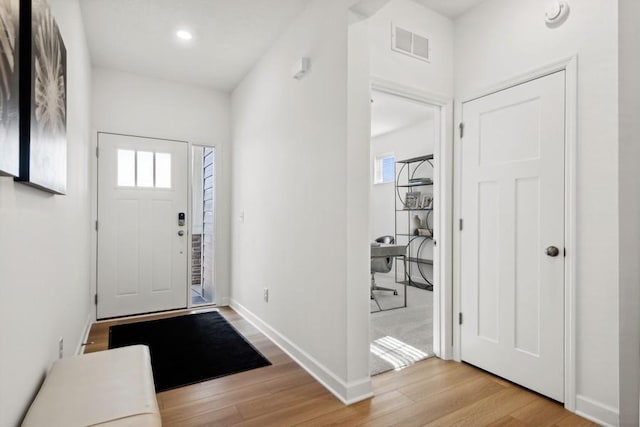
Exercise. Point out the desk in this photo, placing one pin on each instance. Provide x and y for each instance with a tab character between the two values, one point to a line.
389	251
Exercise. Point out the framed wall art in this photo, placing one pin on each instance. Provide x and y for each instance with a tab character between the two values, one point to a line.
9	87
43	104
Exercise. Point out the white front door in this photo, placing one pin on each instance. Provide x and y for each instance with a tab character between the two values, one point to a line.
512	207
142	247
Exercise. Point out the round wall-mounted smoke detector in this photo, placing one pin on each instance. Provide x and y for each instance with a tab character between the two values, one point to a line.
556	12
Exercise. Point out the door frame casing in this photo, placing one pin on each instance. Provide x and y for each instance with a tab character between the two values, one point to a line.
570	67
443	172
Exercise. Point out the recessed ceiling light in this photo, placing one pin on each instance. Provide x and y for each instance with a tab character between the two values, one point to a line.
184	35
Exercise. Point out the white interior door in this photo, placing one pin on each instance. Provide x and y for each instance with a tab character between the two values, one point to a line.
142	248
512	204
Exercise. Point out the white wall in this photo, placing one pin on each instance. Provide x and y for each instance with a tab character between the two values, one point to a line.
435	76
406	143
289	173
629	158
499	40
135	105
45	246
144	106
357	220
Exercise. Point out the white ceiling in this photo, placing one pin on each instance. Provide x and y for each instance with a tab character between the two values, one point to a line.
229	36
450	8
390	113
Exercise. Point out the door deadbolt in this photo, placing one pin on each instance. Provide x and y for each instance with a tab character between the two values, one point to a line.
552	251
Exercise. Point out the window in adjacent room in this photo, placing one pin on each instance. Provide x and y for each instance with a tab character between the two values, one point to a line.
384	168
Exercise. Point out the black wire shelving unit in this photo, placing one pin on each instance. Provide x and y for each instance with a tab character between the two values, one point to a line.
410	176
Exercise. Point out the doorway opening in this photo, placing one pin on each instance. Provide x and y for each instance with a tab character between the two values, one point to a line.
405	134
202	270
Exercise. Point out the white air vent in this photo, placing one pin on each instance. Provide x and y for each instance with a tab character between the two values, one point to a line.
403	40
409	43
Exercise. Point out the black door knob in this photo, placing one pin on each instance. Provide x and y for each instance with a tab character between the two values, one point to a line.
552	251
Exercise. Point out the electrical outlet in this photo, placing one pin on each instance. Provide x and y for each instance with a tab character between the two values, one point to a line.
60	348
266	294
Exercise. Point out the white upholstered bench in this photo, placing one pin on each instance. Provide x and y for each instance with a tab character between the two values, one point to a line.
107	388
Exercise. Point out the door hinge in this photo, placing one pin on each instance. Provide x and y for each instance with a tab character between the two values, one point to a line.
95	299
459	318
461	225
461	126
96	225
97	151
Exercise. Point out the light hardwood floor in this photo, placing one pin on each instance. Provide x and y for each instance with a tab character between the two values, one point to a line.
432	392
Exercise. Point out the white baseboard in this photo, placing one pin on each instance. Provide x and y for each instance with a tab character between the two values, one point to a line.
597	412
85	334
347	393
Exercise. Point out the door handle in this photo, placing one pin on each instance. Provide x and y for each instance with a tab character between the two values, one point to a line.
552	251
181	233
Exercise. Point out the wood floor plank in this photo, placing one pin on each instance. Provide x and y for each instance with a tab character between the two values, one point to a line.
294	396
226	416
181	407
441	403
541	412
488	410
379	405
509	421
289	374
294	414
573	420
450	378
176	413
431	392
411	374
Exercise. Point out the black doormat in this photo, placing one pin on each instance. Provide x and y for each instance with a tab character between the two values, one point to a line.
189	349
